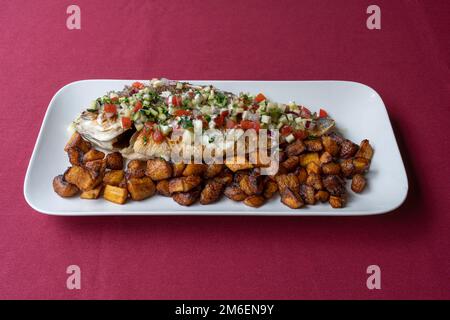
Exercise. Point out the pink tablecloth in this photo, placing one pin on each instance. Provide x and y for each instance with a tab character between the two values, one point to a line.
407	62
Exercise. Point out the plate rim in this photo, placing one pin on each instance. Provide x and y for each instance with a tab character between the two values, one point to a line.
296	213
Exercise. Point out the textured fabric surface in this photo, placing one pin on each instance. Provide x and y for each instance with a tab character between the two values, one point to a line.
407	62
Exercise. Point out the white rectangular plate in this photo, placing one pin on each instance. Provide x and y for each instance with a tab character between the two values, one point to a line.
358	110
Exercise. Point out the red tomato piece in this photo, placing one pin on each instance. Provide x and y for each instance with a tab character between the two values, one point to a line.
177	101
179	113
110	108
260	98
323	113
126	122
286	130
157	136
247	124
137	106
137	85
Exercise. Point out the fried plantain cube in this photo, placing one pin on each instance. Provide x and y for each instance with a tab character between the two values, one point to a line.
314	180
291	199
114	161
158	169
307	158
313	145
162	187
114	178
92	194
194	169
270	189
365	150
254	201
115	194
322	196
330	146
93	155
313	167
177	169
358	183
141	188
336	202
76	141
235	193
331	168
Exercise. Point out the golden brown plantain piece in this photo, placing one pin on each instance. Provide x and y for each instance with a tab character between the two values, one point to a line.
115	194
314	180
235	193
365	150
322	196
358	183
158	169
296	148
194	169
331	168
270	189
330	146
313	145
162	187
92	194
93	155
213	170
336	202
141	188
184	184
136	169
75	156
291	198
76	141
291	163
187	198
212	192
82	178
254	201
114	178
114	161
64	188
178	169
307	158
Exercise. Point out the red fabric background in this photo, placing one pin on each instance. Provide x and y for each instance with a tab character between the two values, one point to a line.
407	62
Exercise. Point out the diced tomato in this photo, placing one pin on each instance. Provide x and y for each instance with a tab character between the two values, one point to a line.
323	113
179	113
126	122
177	101
110	108
115	100
137	85
305	113
230	124
137	106
221	118
247	124
286	130
300	134
157	136
260	98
